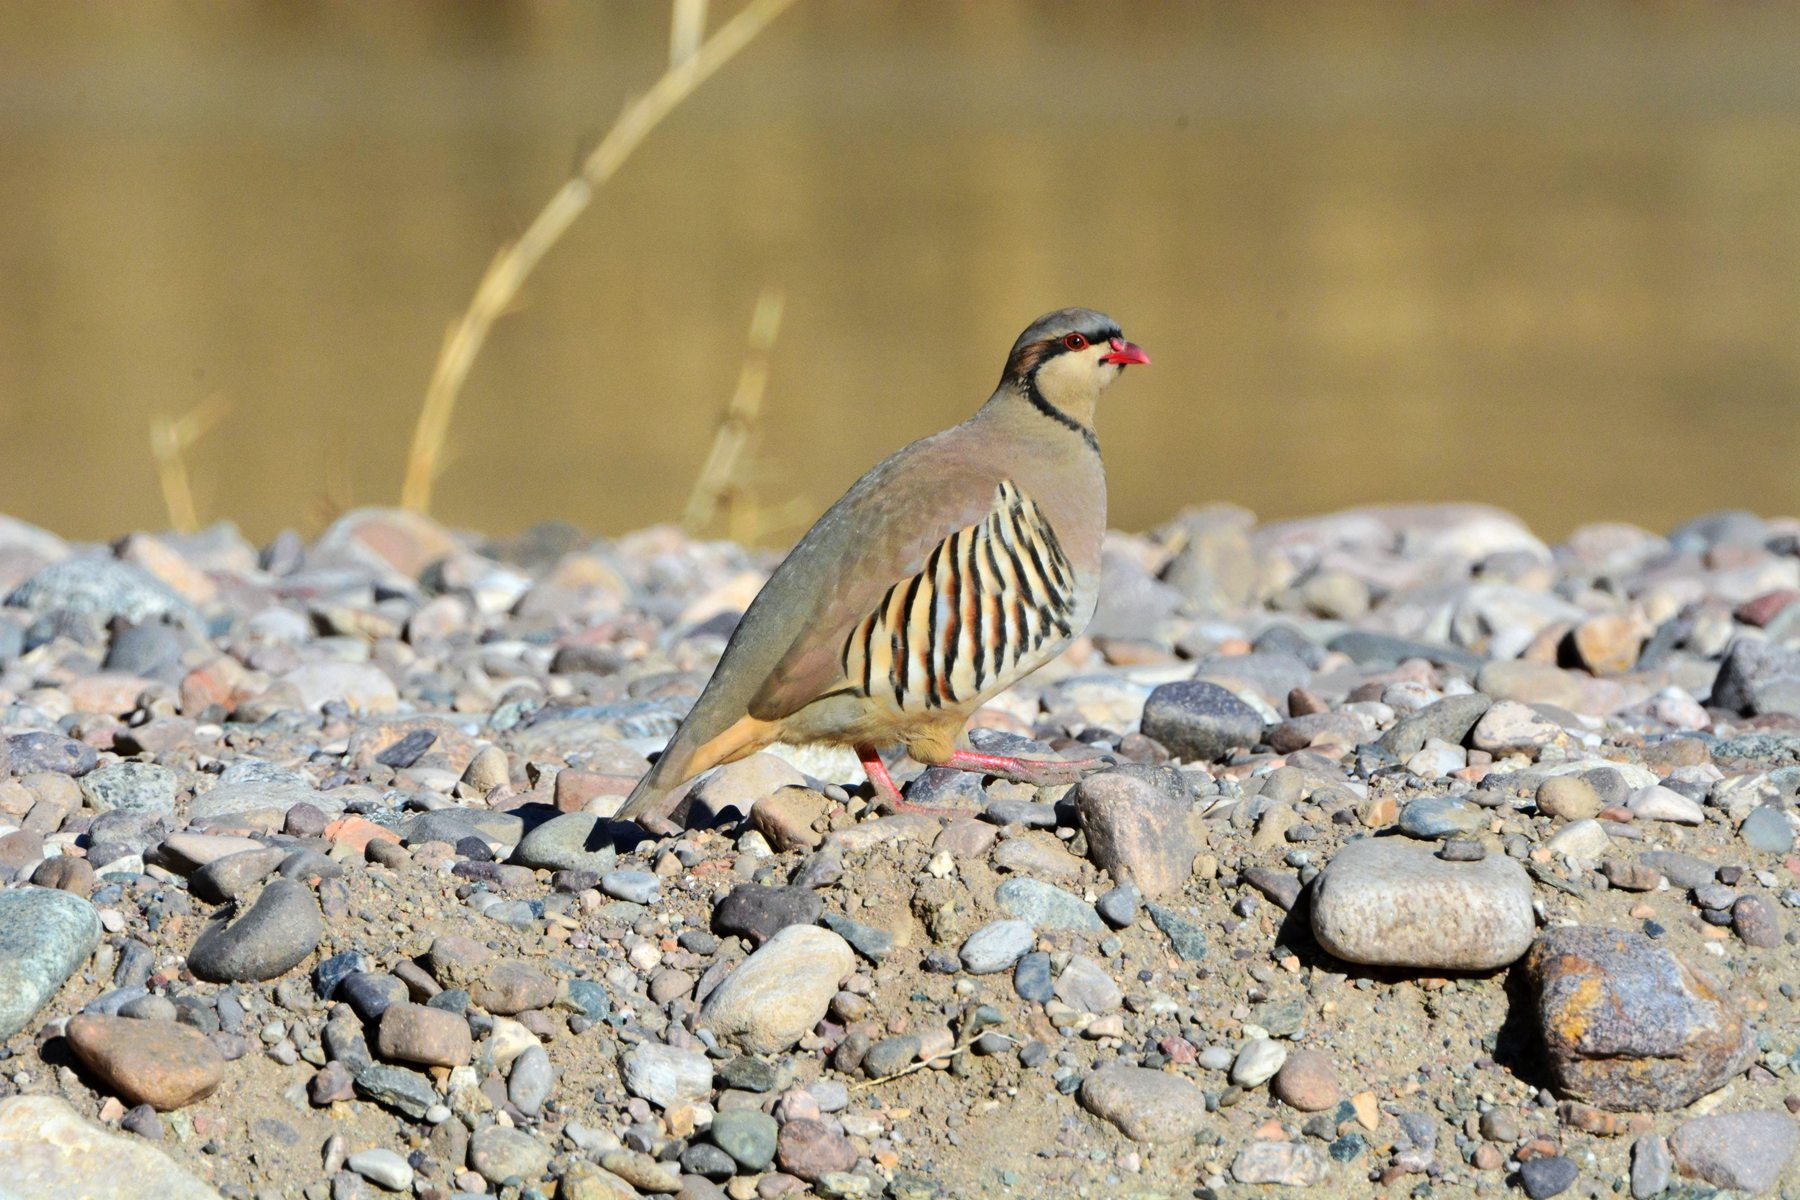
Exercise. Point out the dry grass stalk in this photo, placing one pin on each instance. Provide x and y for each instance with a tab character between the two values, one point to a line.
714	488
515	261
170	438
687	26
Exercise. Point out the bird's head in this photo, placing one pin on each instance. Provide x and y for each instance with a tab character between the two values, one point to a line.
1067	358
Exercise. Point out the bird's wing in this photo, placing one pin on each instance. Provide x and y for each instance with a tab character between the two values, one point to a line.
880	535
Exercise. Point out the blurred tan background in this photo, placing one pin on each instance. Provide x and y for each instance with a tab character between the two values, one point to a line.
1542	255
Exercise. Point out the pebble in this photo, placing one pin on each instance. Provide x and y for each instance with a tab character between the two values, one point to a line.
780	992
1187	938
1742	1151
1387	902
1767	830
1137	823
531	1080
431	1037
577	841
383	1167
280	929
1119	906
810	1150
666	1076
45	936
160	1063
1753	919
1549	1175
1568	798
1651	1167
1658	803
1199	721
1432	818
748	1135
1031	977
500	1154
1307	1081
1045	906
756	912
637	887
1290	1164
34	751
1257	1062
996	946
1145	1105
135	787
404	1091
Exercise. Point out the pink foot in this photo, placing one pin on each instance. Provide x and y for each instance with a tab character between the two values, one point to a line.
887	795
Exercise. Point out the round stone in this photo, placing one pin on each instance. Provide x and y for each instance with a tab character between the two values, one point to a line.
1307	1081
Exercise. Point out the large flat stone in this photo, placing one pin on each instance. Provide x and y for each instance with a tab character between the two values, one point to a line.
1388	902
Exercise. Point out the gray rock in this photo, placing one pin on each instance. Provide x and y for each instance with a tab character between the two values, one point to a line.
1548	1175
1085	986
404	1091
1137	823
1031	977
530	1080
27	753
997	946
872	943
1046	906
1199	721
51	1153
1681	870
889	1055
1742	1151
665	1075
758	913
454	824
1145	1105
780	992
1119	906
1651	1167
45	936
1766	829
1448	720
638	887
1370	648
499	1153
1628	1026
1758	677
748	1135
1257	1061
1388	902
573	841
130	786
1432	818
250	785
103	588
1188	938
225	879
279	930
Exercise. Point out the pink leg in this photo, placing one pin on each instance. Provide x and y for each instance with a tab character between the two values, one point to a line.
1040	771
887	795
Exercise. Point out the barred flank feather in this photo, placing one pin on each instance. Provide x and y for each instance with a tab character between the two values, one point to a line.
990	598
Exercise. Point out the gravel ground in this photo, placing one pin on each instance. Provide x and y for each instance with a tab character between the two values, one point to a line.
1429	860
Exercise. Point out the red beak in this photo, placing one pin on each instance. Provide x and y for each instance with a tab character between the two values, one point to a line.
1124	352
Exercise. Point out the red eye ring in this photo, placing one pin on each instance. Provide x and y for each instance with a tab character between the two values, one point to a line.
1075	342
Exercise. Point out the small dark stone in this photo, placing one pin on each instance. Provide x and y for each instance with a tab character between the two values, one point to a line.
756	912
1031	977
1199	721
408	750
1549	1176
476	849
